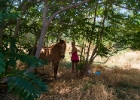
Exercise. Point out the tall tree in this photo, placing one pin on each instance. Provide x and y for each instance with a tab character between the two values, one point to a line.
63	6
105	24
46	21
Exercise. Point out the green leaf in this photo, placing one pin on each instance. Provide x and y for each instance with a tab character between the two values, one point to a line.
28	84
10	86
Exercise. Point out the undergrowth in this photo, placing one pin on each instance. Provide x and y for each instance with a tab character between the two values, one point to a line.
26	85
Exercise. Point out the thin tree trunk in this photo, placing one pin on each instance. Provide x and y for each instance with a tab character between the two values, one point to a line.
87	57
31	51
24	9
88	63
46	23
81	53
1	36
17	28
82	72
91	59
18	22
99	39
44	29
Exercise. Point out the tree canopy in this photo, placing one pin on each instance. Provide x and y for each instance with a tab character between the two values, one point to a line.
106	26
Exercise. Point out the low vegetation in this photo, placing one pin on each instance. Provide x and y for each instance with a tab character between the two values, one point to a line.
111	84
99	27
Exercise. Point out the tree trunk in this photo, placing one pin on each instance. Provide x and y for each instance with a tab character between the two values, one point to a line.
17	28
1	36
46	23
91	59
88	51
81	53
31	50
87	64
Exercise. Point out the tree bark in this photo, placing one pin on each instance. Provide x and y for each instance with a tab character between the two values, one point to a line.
1	36
47	22
99	40
87	64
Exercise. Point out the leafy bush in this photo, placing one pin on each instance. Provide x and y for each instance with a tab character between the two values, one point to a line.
26	85
81	65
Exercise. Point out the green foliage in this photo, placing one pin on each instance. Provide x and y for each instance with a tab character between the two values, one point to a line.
5	12
103	51
27	86
81	64
13	56
130	40
77	24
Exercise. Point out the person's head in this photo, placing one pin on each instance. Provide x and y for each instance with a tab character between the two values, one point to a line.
73	44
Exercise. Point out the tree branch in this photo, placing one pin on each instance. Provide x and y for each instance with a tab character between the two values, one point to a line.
66	8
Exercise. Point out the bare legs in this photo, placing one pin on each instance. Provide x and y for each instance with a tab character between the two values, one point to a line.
74	65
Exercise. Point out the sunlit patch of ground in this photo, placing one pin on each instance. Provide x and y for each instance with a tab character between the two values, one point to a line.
123	59
119	80
111	84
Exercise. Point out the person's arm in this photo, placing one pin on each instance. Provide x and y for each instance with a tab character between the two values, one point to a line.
69	50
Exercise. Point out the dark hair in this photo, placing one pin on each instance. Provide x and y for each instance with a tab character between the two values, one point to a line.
73	43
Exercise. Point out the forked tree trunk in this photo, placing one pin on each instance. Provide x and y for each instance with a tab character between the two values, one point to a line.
46	23
89	62
91	59
99	40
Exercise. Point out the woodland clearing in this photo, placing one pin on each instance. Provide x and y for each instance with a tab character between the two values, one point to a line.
119	81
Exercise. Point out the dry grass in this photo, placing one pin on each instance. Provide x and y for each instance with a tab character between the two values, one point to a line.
111	84
114	83
123	59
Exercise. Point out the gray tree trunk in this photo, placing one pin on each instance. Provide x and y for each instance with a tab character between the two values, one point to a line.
46	23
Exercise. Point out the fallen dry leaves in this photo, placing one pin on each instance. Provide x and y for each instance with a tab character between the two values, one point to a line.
91	87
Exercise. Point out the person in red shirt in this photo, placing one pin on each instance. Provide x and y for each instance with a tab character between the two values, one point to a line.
74	57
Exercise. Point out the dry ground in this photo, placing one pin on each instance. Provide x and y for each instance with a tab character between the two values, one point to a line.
111	84
119	80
